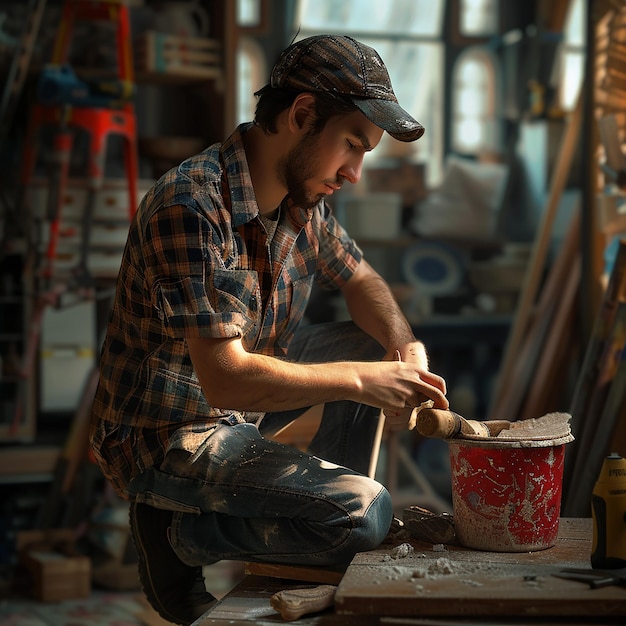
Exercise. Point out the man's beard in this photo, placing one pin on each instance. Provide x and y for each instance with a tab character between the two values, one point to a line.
300	165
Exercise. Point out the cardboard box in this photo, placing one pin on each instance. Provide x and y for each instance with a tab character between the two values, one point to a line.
375	216
57	571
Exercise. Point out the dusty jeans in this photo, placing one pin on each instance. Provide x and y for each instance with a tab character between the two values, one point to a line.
239	496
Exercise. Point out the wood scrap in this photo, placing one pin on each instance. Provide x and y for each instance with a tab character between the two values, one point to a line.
589	375
616	407
552	367
510	405
66	502
604	409
535	271
294	603
613	409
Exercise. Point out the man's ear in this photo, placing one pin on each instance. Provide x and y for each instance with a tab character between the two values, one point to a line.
302	112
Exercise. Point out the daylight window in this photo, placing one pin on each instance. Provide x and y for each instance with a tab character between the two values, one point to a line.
478	18
408	36
473	118
573	54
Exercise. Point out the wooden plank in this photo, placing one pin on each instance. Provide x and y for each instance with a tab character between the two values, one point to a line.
552	14
469	583
604	408
321	575
249	601
530	591
26	460
535	271
524	367
552	368
589	373
616	406
72	465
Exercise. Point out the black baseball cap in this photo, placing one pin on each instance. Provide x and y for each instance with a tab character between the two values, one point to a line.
341	65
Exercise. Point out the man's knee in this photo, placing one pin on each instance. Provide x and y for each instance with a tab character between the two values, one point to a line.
377	514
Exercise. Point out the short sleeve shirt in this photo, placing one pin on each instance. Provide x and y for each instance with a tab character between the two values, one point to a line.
198	263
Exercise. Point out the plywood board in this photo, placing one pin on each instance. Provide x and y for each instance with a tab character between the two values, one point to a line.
468	583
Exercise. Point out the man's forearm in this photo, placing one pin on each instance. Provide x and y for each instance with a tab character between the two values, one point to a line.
231	378
374	309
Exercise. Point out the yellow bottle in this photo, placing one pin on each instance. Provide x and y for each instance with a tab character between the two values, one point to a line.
608	510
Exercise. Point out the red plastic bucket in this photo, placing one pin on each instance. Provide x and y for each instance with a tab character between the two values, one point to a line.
507	494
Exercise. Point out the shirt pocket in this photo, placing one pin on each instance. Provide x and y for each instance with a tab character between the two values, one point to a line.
297	293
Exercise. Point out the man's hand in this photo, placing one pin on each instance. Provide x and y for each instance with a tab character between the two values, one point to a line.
409	382
414	352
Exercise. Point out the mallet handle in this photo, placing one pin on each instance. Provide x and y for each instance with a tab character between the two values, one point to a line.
446	424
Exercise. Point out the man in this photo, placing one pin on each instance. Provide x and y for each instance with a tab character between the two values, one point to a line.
205	350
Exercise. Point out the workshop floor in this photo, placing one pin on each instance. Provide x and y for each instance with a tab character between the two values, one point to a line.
108	608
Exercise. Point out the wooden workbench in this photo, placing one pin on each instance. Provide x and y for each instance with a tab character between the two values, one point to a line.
453	587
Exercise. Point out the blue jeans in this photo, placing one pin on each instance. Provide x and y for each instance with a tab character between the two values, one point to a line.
239	496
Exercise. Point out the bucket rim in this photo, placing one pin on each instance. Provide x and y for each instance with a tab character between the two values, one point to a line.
475	441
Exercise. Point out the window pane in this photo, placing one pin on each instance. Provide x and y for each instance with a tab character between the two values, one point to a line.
251	76
391	17
472	72
470	102
248	12
478	17
474	129
245	102
573	72
416	71
572	55
575	30
470	135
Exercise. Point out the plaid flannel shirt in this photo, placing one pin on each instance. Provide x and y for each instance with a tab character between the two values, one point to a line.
197	264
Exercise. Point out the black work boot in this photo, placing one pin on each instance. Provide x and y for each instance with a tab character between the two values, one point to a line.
176	591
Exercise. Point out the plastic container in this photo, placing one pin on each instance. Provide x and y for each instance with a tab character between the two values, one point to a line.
608	510
507	494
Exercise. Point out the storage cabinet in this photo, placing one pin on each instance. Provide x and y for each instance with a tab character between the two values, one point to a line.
186	88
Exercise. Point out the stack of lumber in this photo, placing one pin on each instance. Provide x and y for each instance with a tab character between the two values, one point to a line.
546	338
599	402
